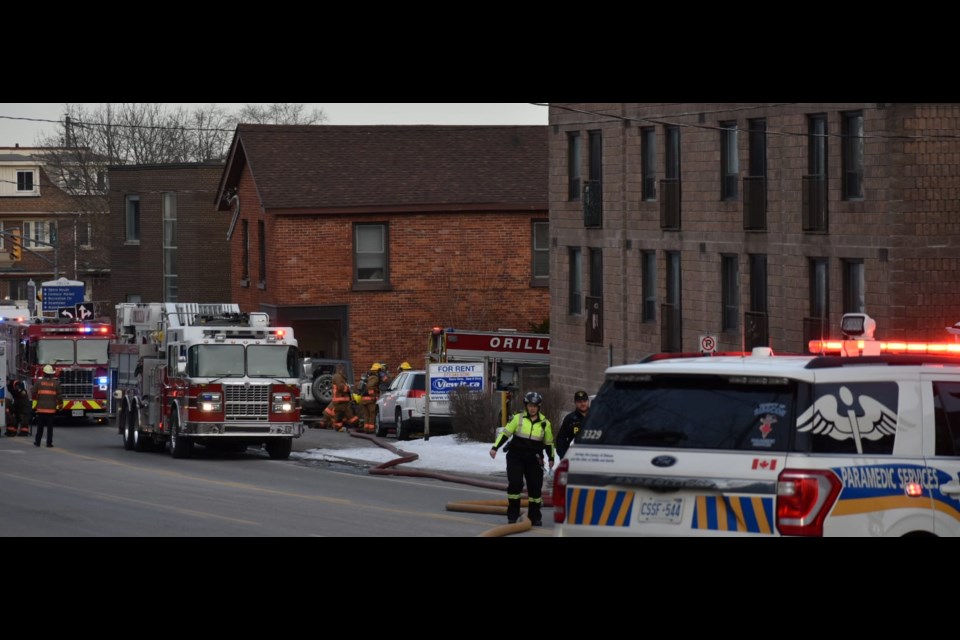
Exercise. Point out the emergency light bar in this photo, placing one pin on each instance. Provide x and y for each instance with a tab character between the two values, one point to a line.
834	347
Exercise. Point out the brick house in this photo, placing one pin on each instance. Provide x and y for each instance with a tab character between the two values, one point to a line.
169	242
36	202
362	238
758	224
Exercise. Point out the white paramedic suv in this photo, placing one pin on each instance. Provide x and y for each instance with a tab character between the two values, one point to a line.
861	439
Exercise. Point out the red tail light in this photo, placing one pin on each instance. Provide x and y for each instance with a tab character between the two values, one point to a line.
804	500
560	491
416	393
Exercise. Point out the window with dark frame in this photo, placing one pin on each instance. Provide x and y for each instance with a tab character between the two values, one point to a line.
672	152
730	292
25	181
262	232
729	162
758	282
541	253
575	288
573	165
649	283
245	261
133	218
648	161
815	182
596	272
854	287
819	289
852	155
594	307
371	256
168	203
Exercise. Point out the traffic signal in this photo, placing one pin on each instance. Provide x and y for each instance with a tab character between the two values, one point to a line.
16	246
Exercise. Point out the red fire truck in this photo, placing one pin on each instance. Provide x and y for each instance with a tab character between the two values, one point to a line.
76	350
205	374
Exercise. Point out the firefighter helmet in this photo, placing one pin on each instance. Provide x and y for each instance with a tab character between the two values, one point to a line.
405	366
533	398
375	366
47	369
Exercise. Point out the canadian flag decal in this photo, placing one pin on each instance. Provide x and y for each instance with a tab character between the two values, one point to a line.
766	465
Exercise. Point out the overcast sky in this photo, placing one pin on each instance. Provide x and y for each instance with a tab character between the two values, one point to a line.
16	126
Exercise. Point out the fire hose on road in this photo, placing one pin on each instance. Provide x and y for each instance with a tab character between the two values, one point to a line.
497	507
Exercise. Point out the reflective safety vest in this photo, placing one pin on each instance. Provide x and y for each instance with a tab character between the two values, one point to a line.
47	393
538	435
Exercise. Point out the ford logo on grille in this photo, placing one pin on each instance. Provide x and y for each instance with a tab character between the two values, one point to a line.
664	461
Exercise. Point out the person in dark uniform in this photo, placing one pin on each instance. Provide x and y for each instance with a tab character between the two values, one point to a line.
571	424
47	392
22	408
532	435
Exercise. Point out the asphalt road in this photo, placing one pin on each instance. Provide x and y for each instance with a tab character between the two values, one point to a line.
88	485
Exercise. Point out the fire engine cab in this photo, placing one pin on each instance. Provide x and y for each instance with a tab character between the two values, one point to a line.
205	374
76	350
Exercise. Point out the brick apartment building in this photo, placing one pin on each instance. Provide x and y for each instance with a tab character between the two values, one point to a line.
169	242
46	212
362	238
759	224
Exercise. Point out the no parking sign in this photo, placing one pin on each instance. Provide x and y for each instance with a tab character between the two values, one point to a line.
708	343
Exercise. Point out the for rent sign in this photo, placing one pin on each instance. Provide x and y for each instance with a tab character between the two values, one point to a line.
444	377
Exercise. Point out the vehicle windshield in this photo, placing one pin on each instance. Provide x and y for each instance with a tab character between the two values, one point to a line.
56	351
92	351
227	361
693	412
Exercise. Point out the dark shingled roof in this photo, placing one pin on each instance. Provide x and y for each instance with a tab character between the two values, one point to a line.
345	167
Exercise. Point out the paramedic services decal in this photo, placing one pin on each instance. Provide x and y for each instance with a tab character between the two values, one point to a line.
863	413
768	414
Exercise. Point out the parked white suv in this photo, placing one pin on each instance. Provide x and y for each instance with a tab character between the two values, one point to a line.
401	408
767	445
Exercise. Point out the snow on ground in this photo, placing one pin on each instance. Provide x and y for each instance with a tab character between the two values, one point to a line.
440	453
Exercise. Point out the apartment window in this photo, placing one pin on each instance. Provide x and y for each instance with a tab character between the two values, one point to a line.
671	323
39	231
25	181
594	329
575	288
854	291
730	292
648	161
819	289
133	219
133	297
371	257
593	189
729	162
815	182
596	273
755	184
169	212
648	265
758	283
573	165
3	238
262	240
852	155
540	243
673	153
670	186
245	258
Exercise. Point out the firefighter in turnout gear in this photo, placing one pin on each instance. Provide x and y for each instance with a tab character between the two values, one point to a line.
11	408
47	392
369	396
532	435
340	410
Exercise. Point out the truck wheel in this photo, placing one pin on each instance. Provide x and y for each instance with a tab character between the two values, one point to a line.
126	417
402	429
180	447
323	389
141	441
380	429
279	448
